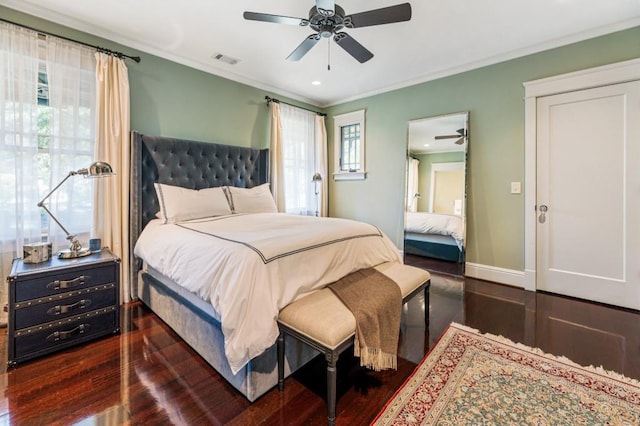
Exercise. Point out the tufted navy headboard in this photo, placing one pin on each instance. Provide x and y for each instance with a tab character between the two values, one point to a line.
189	164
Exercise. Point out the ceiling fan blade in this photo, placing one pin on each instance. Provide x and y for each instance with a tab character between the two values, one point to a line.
461	134
386	15
276	19
352	47
326	7
304	47
460	141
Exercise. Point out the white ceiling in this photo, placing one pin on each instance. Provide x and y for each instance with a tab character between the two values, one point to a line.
442	38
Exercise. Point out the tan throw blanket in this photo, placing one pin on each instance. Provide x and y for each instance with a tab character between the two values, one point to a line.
376	302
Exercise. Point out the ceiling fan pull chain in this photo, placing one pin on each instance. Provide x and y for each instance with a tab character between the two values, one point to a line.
328	55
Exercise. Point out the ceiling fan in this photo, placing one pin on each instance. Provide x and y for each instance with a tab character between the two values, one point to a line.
328	19
461	135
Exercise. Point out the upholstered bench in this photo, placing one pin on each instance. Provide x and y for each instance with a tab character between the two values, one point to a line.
322	321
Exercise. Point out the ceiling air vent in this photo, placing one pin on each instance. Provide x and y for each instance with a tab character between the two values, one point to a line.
226	59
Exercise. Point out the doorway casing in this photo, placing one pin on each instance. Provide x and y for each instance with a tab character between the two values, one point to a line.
620	72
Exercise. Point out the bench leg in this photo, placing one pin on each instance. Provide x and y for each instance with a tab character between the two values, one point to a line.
332	358
281	361
426	305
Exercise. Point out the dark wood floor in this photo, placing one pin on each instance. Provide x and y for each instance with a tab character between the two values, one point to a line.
147	375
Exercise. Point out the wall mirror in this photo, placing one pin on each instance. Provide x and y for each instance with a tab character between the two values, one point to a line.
435	207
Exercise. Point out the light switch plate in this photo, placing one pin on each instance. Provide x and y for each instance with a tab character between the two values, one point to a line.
516	188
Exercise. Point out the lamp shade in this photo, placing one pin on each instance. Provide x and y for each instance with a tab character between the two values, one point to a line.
99	169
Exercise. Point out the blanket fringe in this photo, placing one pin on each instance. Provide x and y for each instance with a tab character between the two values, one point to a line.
374	358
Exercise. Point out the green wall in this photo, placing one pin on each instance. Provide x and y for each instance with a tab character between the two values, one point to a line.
174	100
493	95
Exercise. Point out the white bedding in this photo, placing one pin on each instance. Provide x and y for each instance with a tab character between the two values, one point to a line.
250	266
435	223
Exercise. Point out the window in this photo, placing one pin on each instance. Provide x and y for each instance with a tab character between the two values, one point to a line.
60	151
349	143
43	157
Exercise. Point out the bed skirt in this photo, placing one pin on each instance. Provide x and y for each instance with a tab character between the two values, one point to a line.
441	247
202	332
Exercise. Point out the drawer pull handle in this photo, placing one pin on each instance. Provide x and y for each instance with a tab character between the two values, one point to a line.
63	309
63	335
62	284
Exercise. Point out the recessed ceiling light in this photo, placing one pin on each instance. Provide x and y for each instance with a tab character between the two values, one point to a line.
426	144
225	58
316	82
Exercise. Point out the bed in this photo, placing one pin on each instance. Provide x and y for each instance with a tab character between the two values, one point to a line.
203	318
439	236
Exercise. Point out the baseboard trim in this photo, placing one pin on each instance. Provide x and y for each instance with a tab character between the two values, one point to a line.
495	274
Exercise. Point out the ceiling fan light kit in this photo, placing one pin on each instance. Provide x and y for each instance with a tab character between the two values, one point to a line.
328	19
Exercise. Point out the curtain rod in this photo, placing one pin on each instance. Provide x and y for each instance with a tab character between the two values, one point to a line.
98	48
278	101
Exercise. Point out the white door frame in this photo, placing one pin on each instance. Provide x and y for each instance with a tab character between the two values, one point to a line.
620	72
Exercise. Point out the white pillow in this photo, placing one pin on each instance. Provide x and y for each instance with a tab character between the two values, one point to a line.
252	200
178	204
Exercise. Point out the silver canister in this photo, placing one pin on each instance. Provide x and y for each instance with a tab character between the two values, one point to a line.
36	252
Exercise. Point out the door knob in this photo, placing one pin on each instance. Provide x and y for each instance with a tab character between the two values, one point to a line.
543	209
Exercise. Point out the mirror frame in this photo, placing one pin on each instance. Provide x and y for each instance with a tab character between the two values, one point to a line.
431	246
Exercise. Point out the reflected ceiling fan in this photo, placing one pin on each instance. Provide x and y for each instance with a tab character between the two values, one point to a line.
328	19
461	135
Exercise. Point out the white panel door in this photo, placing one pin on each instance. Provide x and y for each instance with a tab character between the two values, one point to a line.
588	181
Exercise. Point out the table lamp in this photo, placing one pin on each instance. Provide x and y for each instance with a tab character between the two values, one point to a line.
97	169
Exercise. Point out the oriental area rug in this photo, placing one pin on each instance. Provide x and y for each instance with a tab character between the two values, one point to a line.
470	378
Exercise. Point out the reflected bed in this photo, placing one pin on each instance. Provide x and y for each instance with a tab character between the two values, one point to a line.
439	236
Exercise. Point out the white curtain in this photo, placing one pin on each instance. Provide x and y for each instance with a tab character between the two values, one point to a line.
301	156
19	216
70	70
275	153
111	213
413	194
321	164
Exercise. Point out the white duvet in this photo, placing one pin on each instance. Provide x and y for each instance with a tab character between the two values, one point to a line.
436	223
250	266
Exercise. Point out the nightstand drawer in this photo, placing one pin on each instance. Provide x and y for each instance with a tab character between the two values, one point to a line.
47	338
43	310
50	284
